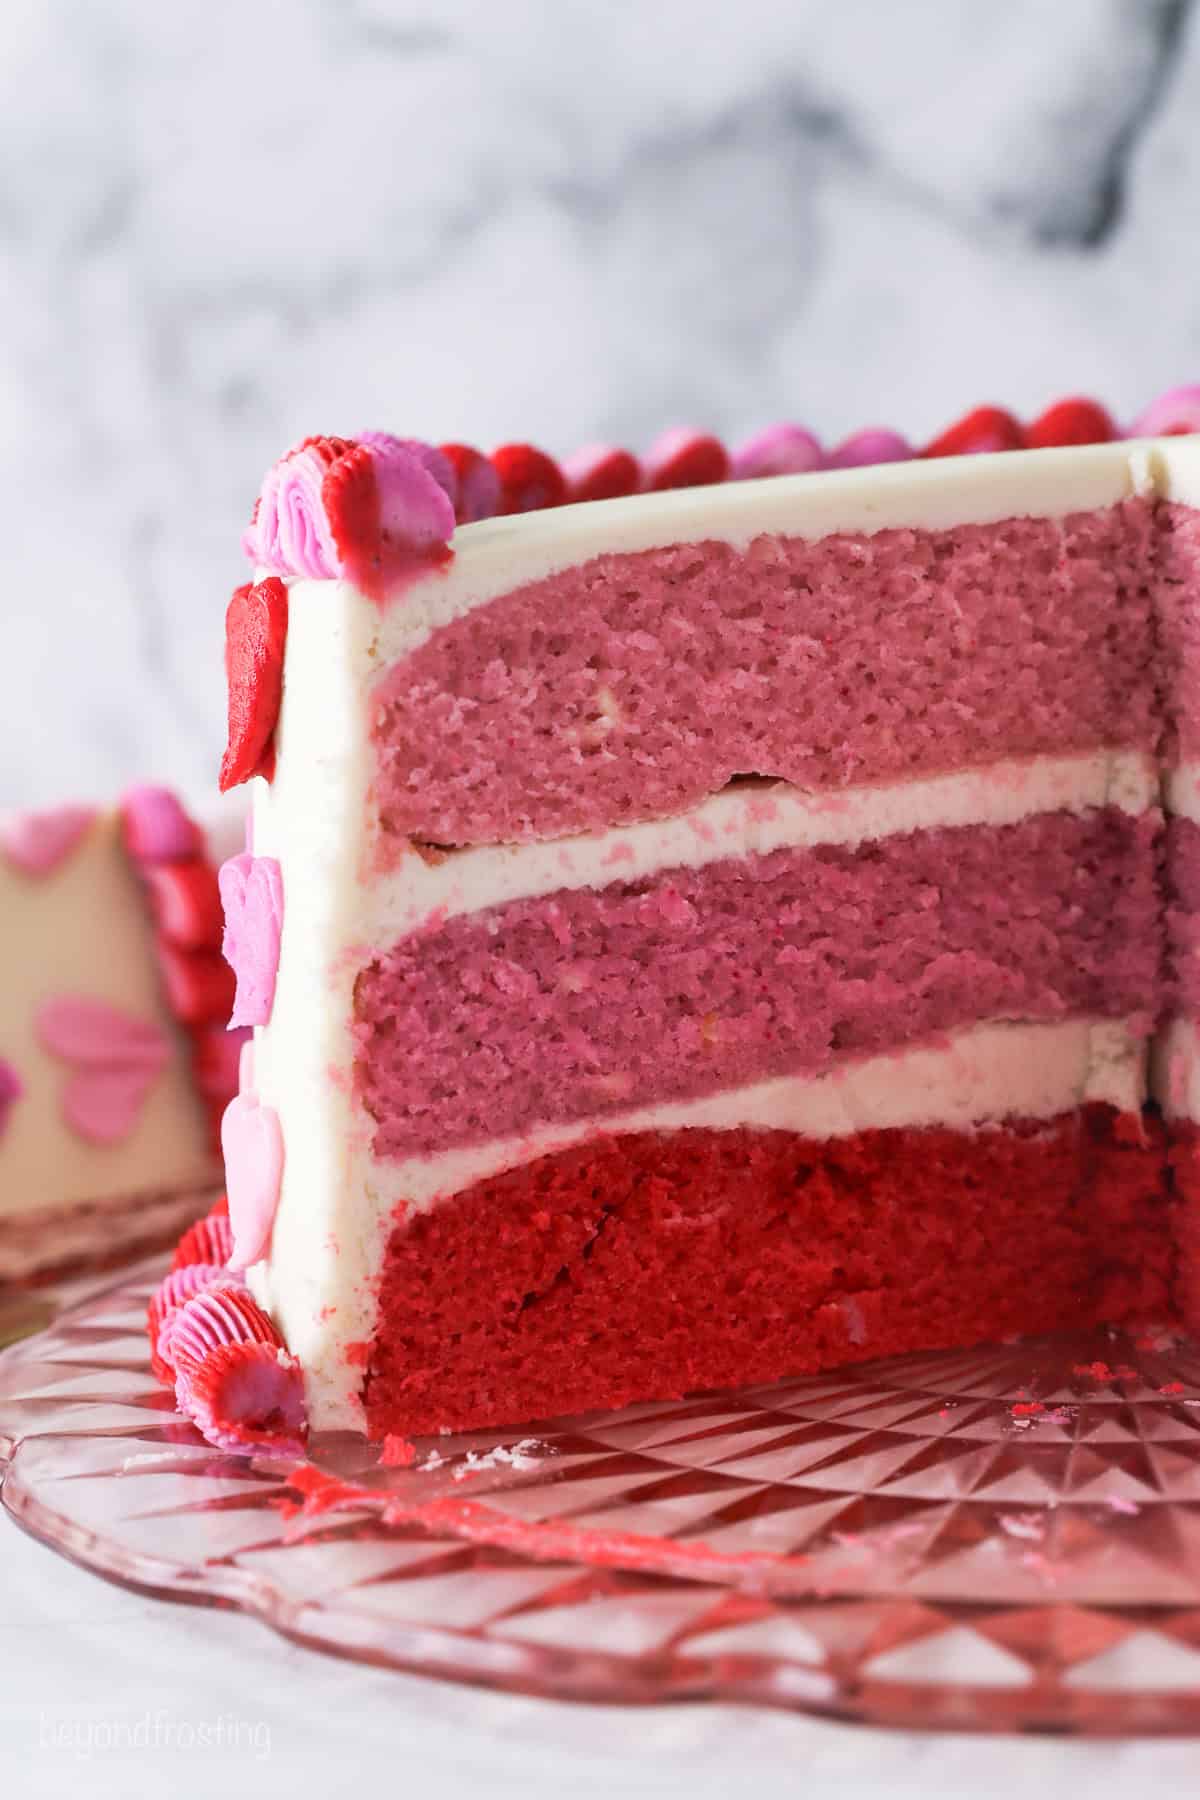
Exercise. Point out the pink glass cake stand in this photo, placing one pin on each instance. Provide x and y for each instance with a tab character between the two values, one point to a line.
998	1538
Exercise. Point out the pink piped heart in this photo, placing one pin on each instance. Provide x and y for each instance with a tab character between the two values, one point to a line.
37	842
253	1146
252	894
115	1058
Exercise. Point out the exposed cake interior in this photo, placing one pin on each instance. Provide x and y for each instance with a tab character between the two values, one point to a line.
660	1005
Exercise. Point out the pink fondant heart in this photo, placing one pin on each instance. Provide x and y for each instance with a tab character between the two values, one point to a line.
81	1030
104	1105
253	1147
36	842
116	1060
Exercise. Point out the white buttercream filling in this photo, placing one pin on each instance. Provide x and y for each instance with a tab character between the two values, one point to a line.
752	821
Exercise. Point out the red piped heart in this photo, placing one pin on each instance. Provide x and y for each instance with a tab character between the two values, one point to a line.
987	429
255	636
1072	421
683	458
529	479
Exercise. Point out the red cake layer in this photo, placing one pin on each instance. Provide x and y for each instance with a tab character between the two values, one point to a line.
652	1266
634	684
1185	1181
587	1003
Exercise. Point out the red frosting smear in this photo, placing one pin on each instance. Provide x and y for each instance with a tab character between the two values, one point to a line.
255	636
550	1540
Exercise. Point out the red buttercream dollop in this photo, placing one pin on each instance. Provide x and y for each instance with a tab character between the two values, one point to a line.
684	458
1076	420
209	1240
530	481
980	432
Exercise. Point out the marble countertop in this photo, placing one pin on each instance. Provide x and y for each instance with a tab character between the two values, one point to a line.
458	219
461	219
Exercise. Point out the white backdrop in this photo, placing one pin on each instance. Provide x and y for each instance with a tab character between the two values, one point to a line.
222	227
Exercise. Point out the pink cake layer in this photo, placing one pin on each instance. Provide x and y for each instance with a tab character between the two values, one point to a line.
633	685
585	1003
1179	622
1183	914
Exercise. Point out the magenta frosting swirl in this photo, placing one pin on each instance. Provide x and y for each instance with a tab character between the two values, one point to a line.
299	529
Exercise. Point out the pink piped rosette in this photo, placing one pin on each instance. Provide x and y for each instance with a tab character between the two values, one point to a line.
210	1339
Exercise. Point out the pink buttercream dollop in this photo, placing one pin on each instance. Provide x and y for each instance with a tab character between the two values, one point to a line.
252	1143
37	842
359	508
115	1058
781	449
1174	413
252	895
870	447
173	1292
156	827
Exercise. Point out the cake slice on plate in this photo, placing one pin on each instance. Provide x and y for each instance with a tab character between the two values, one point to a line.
701	935
115	1063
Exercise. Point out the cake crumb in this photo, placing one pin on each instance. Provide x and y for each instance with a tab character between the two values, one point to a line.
397	1453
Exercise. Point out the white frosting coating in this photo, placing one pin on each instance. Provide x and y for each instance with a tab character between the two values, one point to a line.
1175	1070
1181	792
322	1292
317	820
82	929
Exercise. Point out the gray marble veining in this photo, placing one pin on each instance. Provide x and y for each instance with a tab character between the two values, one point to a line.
221	229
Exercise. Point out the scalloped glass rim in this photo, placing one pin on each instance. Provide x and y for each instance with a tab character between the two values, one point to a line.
1001	1538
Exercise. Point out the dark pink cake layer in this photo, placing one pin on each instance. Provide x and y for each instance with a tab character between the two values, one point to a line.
634	685
1178	589
1183	914
589	1003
